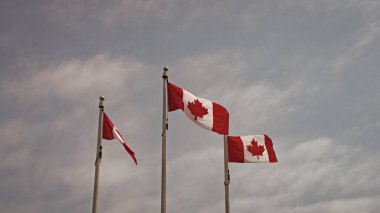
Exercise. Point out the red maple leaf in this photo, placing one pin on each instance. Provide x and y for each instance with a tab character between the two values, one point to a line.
197	109
255	149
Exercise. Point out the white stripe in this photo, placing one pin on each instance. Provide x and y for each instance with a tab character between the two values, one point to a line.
248	157
208	120
117	135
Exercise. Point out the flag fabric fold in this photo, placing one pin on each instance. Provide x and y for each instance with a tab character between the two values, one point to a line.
251	149
110	132
204	113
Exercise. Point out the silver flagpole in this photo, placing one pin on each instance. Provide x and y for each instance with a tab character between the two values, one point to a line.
226	176
98	156
164	128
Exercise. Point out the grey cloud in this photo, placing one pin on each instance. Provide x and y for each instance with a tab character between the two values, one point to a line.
358	48
77	13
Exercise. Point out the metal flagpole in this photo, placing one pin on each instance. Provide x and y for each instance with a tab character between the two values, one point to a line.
164	128
98	156
226	176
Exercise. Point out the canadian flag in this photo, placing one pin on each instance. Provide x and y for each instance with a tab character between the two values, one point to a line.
251	149
110	132
204	113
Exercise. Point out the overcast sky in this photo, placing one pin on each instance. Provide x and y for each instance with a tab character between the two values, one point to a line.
304	72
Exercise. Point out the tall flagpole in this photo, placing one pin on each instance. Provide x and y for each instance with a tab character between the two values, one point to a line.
164	128
98	156
226	176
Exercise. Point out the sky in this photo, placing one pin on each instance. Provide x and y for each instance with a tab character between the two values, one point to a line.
306	73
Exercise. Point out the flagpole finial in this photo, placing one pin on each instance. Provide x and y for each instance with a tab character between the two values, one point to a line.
101	99
164	75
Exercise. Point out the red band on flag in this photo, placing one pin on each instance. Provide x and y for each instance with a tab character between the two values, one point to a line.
269	146
235	150
221	118
107	128
175	96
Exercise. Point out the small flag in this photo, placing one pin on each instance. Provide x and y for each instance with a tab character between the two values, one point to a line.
204	113
110	132
251	149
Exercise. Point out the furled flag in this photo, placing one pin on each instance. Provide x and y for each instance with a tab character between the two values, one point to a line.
251	149
110	132
205	113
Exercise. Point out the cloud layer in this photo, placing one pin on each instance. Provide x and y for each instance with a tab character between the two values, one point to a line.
304	73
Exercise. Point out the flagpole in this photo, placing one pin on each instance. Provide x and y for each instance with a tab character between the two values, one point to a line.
98	156
164	128
226	176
